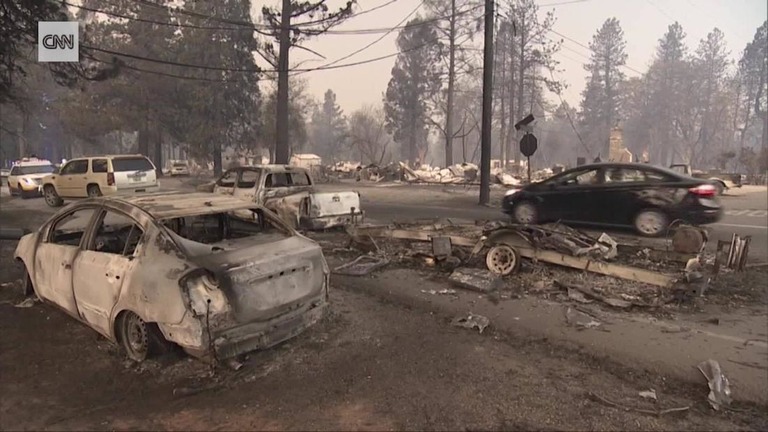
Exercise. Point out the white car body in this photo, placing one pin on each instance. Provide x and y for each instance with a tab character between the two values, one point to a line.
26	176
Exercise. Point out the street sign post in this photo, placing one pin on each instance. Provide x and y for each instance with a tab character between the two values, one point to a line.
528	146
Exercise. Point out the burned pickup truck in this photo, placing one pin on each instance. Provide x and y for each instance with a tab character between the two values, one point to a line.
289	191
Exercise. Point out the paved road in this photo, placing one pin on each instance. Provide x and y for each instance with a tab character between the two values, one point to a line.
746	209
746	215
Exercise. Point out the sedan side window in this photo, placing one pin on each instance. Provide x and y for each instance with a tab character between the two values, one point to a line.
624	175
656	177
579	178
116	234
228	179
69	230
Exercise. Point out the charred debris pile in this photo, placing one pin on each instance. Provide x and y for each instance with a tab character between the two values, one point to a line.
552	260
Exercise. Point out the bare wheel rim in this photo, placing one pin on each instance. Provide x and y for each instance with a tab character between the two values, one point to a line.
525	213
135	337
650	222
501	259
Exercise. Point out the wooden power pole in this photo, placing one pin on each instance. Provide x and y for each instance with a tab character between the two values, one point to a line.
485	138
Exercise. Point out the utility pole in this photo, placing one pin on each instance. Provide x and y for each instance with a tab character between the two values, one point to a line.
485	147
282	146
449	135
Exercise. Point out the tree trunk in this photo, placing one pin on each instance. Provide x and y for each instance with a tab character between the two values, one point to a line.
159	153
520	85
143	143
503	131
449	135
282	148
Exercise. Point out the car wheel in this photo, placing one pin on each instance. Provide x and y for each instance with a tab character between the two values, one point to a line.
502	260
140	340
27	289
24	194
525	213
51	197
651	222
94	191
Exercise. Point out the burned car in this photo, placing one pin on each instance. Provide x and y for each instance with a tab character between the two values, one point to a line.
170	267
290	192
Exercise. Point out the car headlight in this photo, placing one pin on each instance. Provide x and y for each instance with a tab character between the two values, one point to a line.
511	192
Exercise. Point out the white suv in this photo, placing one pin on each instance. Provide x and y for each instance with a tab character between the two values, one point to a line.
26	176
100	175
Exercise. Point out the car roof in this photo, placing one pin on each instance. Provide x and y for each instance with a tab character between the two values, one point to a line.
166	205
623	165
39	162
273	168
107	156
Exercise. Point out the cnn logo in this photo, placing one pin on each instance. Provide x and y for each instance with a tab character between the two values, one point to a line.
57	41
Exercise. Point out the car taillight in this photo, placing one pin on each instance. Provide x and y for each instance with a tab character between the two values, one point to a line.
704	191
110	179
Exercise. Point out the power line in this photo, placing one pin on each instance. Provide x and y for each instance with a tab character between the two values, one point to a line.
392	29
215	68
377	40
255	27
563	3
259	28
568	115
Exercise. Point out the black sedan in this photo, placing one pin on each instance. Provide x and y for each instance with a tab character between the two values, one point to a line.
645	197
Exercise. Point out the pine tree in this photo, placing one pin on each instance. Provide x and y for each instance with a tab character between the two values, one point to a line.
329	128
600	104
415	81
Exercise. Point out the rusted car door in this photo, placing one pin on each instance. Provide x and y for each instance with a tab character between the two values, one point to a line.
101	267
56	254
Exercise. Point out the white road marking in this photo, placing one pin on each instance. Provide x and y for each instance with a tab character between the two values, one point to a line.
742	226
747	212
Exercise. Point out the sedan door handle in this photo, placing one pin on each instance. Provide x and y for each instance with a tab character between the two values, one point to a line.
67	266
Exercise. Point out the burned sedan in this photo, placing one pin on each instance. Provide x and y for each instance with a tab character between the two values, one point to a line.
169	267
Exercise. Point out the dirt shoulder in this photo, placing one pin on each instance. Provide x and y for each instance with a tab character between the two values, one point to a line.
370	365
663	343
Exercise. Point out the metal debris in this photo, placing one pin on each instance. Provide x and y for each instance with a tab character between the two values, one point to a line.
580	319
688	240
471	321
737	257
441	247
234	364
28	302
648	394
361	266
441	292
475	279
719	388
